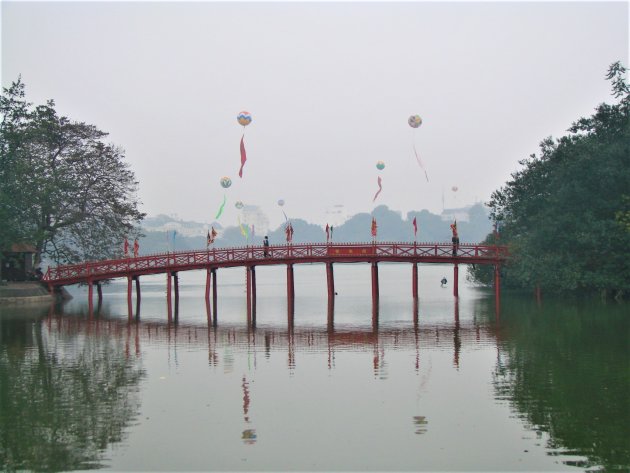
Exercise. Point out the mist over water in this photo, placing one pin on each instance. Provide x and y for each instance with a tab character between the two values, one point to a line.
540	388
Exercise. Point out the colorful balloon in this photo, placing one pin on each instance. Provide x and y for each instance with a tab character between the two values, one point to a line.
244	118
380	165
415	121
226	182
239	205
281	202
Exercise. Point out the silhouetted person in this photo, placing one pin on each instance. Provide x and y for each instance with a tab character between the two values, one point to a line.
443	281
266	245
455	241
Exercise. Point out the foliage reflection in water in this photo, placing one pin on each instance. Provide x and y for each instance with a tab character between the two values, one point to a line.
64	395
565	370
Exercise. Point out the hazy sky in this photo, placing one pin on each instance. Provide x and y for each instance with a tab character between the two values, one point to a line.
330	87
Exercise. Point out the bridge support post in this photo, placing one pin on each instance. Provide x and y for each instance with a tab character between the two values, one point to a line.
497	289
90	297
414	281
176	287
169	304
138	296
290	294
252	271
208	281
456	280
214	296
330	279
250	274
375	296
129	306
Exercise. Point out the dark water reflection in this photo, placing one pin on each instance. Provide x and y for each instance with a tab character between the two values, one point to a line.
64	395
565	368
71	386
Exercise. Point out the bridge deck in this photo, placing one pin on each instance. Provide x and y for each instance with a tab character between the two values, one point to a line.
281	254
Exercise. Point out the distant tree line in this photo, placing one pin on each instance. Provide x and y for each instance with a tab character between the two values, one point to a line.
391	227
63	188
566	214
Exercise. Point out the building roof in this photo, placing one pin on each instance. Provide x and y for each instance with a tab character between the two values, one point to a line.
22	248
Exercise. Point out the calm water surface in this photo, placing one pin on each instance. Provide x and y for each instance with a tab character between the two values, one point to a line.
540	388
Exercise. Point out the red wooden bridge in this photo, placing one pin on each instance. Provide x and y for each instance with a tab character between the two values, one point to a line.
92	273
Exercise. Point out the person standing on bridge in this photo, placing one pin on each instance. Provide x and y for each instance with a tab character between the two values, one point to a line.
455	238
266	246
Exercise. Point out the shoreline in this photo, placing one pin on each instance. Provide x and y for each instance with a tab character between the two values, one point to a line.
24	292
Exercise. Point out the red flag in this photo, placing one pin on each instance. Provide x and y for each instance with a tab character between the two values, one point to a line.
136	247
243	156
327	233
374	227
126	247
415	227
211	236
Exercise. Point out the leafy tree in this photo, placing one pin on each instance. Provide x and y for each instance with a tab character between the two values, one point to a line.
561	213
63	188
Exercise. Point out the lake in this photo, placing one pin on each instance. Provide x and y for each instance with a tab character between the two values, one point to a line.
540	387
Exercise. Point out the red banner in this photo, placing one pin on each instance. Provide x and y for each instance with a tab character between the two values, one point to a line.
351	250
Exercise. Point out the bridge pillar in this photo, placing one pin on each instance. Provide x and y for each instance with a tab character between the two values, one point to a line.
169	304
138	296
252	271
290	294
456	280
90	297
414	281
497	289
375	297
208	281
330	279
251	295
129	306
214	295
176	287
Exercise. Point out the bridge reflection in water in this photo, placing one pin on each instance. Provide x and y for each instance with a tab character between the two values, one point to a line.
268	339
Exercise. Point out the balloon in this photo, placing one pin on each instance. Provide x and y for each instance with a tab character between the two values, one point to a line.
415	121
244	118
380	165
281	202
238	204
226	182
454	188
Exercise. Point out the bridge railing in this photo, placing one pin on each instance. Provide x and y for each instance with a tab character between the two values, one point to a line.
277	253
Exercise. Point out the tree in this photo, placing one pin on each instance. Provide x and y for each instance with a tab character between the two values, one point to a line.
64	189
562	214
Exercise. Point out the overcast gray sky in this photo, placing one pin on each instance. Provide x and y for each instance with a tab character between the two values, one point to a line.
330	87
